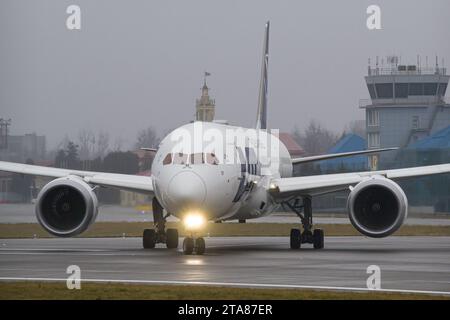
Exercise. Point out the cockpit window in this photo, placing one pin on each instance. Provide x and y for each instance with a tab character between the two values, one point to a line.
180	158
197	158
167	159
212	159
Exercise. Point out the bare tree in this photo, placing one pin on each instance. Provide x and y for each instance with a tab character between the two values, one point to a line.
315	139
92	146
147	138
86	142
118	144
102	145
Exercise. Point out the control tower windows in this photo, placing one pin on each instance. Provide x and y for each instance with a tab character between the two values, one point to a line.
416	89
384	90
442	88
429	89
371	88
401	90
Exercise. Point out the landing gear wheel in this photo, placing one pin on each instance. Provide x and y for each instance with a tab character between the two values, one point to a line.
200	246
296	238
318	239
188	245
172	238
149	238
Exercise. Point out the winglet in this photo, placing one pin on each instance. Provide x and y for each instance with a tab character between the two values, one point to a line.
261	120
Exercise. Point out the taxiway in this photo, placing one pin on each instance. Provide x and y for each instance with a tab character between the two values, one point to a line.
407	263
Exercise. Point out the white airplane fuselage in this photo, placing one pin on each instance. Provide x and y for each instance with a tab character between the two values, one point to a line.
220	179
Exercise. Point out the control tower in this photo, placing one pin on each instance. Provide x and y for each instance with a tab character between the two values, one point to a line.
407	103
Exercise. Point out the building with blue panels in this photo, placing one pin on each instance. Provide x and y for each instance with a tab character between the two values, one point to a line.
440	140
349	142
431	191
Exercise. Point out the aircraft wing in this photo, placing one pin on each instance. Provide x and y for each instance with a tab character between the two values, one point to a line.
320	184
338	155
121	181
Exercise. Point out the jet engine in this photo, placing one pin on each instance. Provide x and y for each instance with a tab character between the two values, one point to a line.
377	207
67	206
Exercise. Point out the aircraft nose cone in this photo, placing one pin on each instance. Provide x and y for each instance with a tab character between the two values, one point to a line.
186	190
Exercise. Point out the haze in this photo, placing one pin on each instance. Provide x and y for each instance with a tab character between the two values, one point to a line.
136	64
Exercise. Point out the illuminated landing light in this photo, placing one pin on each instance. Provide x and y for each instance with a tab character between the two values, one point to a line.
194	262
272	186
194	221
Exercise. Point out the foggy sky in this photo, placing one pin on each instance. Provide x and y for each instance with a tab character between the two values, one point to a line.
140	63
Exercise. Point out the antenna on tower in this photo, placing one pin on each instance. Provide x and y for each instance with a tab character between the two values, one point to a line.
376	64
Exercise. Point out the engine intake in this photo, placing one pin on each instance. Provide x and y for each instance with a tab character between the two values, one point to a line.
377	207
66	206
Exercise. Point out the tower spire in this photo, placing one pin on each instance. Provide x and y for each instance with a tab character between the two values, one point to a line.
205	108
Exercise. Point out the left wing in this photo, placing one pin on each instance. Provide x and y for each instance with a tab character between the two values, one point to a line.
314	185
122	181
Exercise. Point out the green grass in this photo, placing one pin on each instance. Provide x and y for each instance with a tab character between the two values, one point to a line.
108	291
134	229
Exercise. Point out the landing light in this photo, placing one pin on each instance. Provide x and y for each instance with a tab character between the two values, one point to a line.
194	221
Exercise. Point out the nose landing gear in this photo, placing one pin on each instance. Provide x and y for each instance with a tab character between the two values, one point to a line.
191	244
159	234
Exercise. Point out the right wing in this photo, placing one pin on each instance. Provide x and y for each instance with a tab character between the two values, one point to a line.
122	181
320	184
338	155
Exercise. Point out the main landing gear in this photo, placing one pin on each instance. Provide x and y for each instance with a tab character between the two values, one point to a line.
304	212
159	234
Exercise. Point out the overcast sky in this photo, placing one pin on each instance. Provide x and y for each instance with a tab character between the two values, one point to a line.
139	63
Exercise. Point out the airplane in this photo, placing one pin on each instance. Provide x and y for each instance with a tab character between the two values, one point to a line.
208	171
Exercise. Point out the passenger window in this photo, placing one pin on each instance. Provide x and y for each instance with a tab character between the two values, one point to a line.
180	158
212	159
197	158
167	159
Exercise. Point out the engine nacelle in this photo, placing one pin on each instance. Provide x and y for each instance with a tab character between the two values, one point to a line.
377	207
67	206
